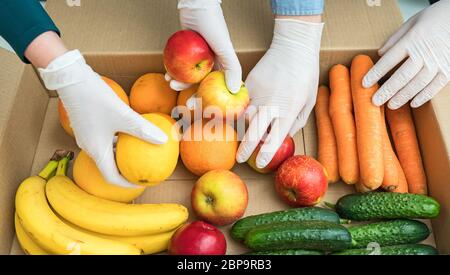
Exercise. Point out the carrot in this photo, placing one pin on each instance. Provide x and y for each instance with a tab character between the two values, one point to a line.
369	138
394	179
361	188
341	113
327	152
407	147
402	183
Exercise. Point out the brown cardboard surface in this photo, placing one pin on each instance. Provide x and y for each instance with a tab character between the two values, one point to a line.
150	22
10	75
17	147
433	130
124	39
134	28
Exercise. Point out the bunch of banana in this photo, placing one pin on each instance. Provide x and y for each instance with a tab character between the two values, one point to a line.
83	224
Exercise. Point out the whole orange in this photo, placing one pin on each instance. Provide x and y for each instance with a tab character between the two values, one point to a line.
151	93
207	146
64	118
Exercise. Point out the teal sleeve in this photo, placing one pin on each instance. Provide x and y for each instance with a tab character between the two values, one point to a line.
297	7
21	21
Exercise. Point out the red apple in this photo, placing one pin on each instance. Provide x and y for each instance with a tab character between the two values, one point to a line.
301	181
198	238
219	197
188	57
286	150
214	93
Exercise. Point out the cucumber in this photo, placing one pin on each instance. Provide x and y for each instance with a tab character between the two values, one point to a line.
310	235
377	205
241	227
406	249
287	252
387	233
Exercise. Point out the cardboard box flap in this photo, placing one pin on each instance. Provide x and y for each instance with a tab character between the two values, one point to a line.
359	24
18	144
145	25
10	74
433	130
441	107
113	26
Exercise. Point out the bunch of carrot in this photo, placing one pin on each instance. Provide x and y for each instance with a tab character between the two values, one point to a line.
353	138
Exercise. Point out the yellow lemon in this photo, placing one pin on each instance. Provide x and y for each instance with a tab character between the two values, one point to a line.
149	164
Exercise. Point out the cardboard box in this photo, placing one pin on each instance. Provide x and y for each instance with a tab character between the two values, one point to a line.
124	39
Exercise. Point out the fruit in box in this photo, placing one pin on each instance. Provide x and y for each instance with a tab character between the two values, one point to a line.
64	118
301	181
149	164
183	97
286	150
219	197
188	57
214	93
207	146
198	238
151	93
87	176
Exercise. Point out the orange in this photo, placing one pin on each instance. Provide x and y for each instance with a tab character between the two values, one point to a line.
205	147
183	96
149	164
64	118
151	93
88	177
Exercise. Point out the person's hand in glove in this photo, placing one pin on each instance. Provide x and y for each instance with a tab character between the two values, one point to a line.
206	18
424	41
283	88
96	114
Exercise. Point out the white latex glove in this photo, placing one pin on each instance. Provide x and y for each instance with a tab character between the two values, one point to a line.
285	80
96	113
425	41
206	18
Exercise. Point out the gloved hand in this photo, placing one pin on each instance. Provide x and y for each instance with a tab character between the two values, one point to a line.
206	18
283	88
96	113
425	41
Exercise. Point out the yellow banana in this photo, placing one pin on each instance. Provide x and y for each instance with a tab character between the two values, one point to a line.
50	233
27	244
108	217
150	244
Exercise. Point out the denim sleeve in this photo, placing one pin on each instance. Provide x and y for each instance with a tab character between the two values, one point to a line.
297	7
21	21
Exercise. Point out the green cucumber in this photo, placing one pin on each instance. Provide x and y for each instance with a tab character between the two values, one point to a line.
406	249
287	252
241	227
378	205
387	233
310	235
